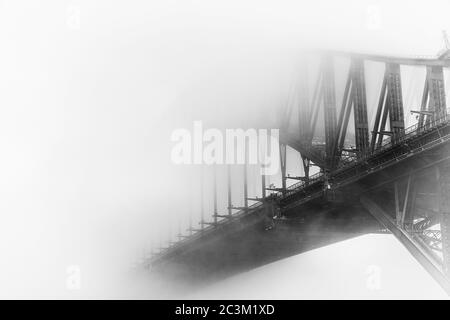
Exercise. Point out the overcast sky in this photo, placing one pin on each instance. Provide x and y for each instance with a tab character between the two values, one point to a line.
90	92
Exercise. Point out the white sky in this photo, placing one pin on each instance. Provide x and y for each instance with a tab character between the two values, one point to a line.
86	112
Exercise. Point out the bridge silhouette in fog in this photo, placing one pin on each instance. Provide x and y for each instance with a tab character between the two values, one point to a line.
385	176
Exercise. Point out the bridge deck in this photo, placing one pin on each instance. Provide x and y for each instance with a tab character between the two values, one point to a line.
416	140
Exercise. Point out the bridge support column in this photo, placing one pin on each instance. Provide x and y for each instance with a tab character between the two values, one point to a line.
390	104
283	167
304	111
405	216
360	108
215	195
436	91
329	108
433	100
245	178
230	204
444	212
377	136
354	97
306	163
395	100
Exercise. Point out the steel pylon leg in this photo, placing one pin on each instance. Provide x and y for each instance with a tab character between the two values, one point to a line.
444	210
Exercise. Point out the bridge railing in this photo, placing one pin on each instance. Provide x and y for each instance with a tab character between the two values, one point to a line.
412	131
208	229
387	144
296	186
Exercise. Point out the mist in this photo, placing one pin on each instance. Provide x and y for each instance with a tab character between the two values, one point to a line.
90	92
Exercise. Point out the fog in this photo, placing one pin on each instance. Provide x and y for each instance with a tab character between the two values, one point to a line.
90	92
348	268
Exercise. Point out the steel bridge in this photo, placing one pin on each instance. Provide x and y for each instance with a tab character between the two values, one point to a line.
394	179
